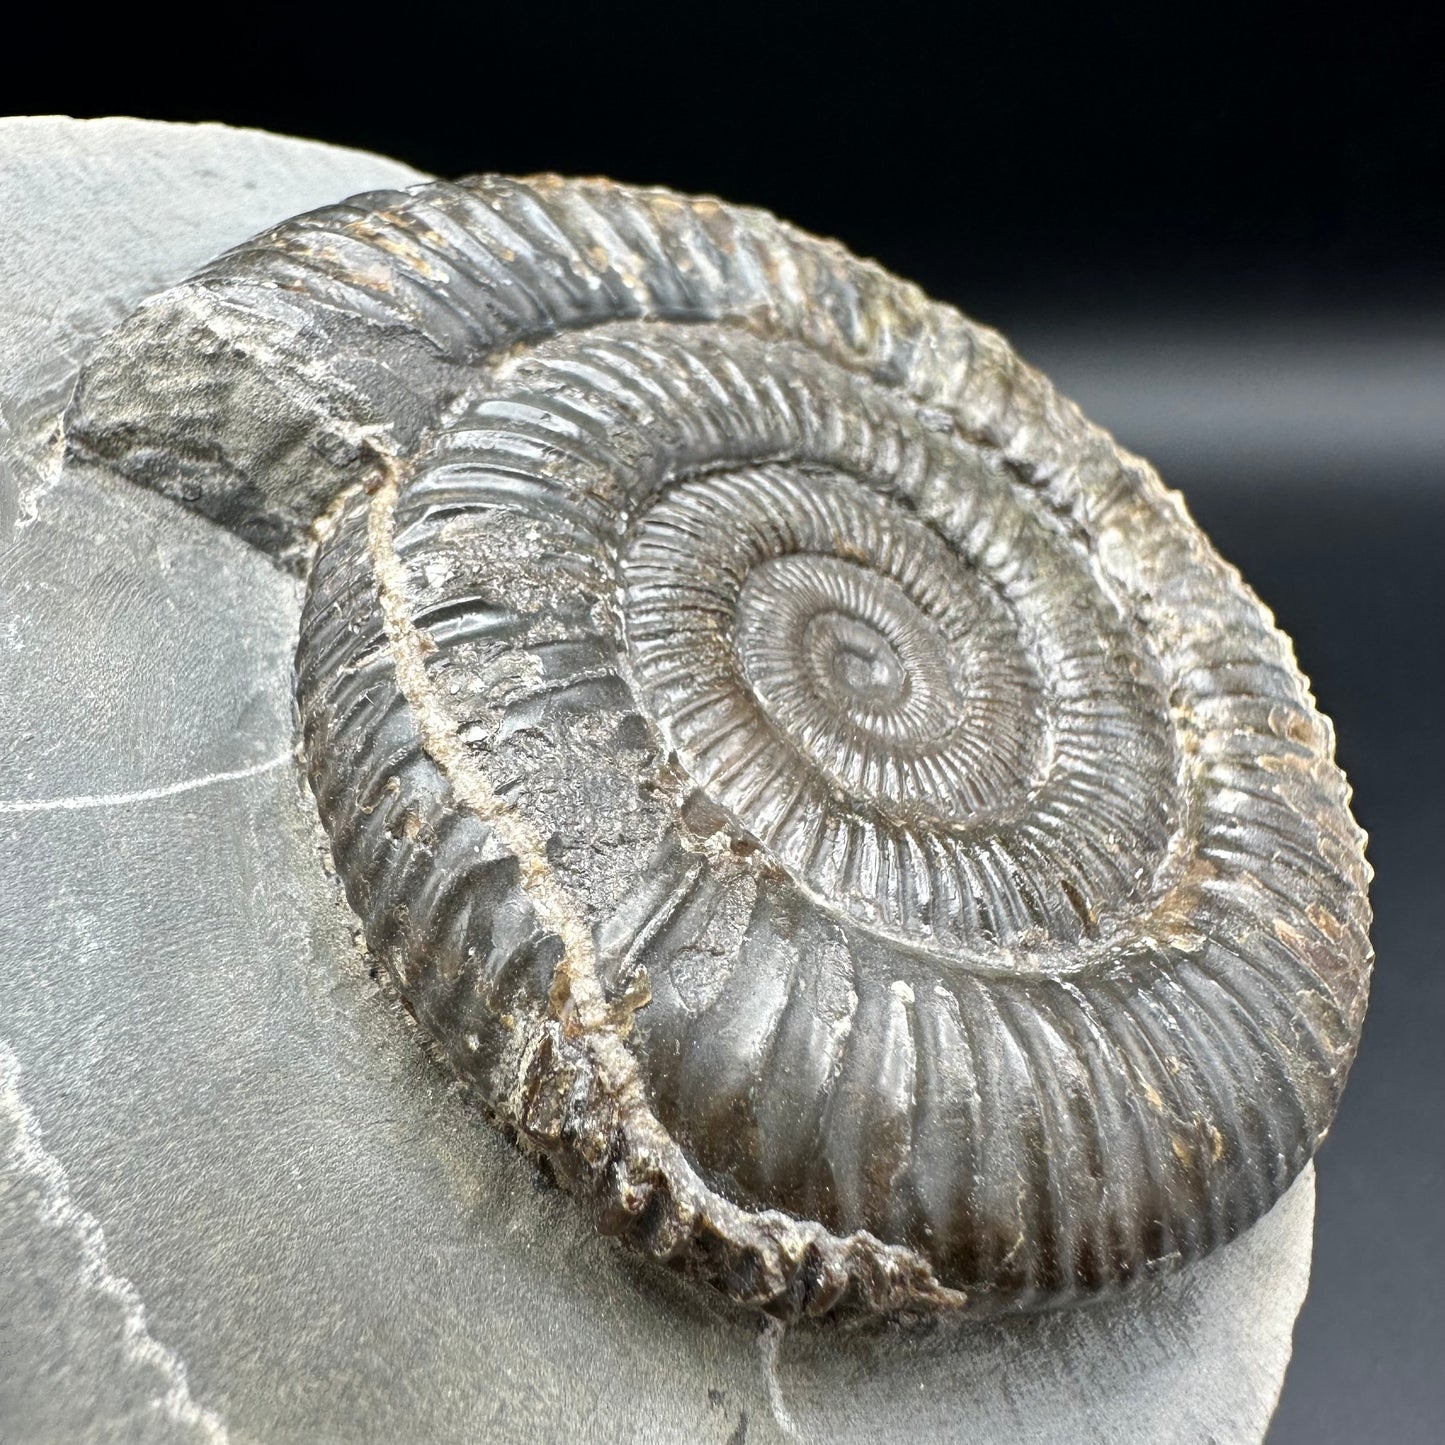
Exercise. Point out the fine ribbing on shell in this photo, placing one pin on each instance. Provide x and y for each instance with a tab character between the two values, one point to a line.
822	792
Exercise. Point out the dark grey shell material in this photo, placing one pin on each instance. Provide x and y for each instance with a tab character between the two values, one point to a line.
825	796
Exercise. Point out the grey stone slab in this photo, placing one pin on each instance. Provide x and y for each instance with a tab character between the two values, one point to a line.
237	1200
98	214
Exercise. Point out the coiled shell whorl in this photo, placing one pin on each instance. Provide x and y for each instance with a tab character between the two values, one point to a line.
825	796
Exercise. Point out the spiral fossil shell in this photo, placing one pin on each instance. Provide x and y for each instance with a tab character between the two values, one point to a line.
826	797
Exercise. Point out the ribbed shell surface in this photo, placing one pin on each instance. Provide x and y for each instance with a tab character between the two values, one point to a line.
825	795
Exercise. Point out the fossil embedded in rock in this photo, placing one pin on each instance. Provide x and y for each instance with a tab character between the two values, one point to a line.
824	795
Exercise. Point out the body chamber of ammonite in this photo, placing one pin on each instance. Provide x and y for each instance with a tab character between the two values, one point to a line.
823	795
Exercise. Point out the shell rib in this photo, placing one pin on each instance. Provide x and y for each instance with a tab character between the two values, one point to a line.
827	797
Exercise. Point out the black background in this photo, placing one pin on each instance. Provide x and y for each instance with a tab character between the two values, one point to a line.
1205	206
1068	155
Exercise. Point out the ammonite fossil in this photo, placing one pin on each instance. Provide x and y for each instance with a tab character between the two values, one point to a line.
823	795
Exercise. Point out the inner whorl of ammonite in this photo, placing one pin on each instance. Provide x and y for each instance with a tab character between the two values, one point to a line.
860	678
865	700
823	796
807	647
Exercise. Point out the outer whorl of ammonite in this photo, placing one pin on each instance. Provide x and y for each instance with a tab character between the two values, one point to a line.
824	796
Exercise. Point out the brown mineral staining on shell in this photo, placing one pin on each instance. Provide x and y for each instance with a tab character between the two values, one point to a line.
820	792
